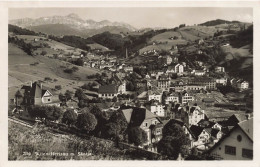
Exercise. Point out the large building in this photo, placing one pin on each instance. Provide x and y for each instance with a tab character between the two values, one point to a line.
108	91
237	144
210	83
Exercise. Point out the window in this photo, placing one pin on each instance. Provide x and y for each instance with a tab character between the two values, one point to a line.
239	138
247	153
49	99
230	150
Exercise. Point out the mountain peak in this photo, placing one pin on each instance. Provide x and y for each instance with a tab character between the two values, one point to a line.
73	15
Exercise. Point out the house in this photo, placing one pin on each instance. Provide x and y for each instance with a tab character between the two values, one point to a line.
236	145
168	60
163	82
37	94
179	68
170	69
142	84
204	123
173	97
157	109
196	114
204	136
221	81
108	91
198	72
120	82
180	113
201	41
219	69
242	85
146	120
186	97
129	69
155	95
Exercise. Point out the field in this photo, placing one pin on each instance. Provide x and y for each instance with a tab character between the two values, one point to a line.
56	47
21	72
98	46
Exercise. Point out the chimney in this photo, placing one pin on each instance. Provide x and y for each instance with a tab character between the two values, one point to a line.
31	84
247	116
41	85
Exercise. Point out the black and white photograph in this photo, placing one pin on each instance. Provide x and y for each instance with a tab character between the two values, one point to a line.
130	83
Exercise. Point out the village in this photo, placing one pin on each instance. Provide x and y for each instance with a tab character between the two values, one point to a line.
172	97
177	93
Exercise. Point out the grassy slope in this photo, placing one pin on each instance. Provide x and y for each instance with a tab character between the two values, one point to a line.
23	139
98	46
21	72
185	34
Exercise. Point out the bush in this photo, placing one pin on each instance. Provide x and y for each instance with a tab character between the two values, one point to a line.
68	70
58	87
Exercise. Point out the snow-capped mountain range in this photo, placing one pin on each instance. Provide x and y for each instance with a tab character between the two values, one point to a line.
71	19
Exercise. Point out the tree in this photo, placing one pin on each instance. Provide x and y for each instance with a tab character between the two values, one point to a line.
174	140
68	95
86	121
111	131
116	126
43	53
114	99
137	136
79	62
101	119
51	113
80	94
69	117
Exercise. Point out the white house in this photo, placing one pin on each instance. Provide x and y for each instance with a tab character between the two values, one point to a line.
222	81
219	69
173	97
179	68
186	97
198	72
195	115
237	144
243	85
155	95
158	109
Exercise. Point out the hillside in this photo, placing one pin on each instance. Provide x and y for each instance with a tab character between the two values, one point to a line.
21	70
216	22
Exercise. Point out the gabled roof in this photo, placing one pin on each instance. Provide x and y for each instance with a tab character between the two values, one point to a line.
245	126
136	116
36	90
108	89
206	123
127	113
196	130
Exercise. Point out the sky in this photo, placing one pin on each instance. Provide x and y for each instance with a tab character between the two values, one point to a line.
142	17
